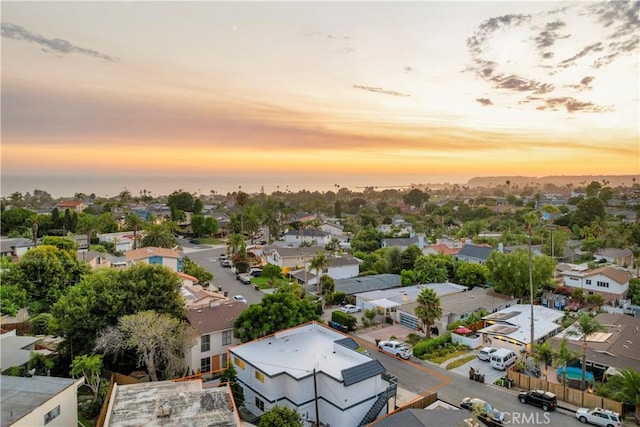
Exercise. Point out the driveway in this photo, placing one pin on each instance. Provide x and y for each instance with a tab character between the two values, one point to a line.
490	374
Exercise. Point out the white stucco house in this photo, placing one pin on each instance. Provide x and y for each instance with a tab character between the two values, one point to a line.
313	366
610	282
316	237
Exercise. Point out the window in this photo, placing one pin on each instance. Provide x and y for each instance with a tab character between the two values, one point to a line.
259	376
224	360
239	362
588	281
205	364
464	316
52	414
259	404
205	343
602	284
226	337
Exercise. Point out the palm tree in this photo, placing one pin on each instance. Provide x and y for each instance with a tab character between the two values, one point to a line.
585	326
563	356
135	223
543	353
319	263
159	236
234	242
428	309
625	387
530	219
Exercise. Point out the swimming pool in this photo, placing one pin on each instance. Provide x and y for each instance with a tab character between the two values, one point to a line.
574	375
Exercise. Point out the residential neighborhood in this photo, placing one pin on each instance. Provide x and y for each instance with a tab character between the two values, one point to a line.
216	310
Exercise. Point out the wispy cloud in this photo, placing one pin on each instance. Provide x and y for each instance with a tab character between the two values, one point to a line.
572	105
380	90
16	32
484	101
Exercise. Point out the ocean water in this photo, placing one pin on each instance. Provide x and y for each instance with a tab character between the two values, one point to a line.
110	186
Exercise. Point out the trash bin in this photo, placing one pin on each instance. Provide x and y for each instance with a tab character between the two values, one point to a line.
481	378
509	383
219	288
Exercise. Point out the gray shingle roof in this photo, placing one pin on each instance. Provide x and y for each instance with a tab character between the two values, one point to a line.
376	282
476	252
361	372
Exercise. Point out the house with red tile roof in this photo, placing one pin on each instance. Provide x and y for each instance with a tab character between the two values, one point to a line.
72	205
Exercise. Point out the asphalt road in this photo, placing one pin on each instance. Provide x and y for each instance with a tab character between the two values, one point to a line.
413	376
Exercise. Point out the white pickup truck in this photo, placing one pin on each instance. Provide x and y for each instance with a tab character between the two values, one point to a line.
396	348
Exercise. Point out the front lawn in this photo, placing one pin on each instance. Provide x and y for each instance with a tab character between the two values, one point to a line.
439	359
460	362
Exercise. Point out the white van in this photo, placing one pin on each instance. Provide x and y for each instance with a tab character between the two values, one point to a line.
502	359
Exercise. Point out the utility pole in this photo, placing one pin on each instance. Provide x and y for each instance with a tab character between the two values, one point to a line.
315	393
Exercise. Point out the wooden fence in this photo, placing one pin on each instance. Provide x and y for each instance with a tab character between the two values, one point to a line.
564	393
115	378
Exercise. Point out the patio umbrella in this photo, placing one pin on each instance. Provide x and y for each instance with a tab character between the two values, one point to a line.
463	330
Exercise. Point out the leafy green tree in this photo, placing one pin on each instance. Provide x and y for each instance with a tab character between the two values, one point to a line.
158	339
61	243
272	271
409	256
196	270
510	272
234	242
280	416
430	269
210	225
593	189
428	310
562	357
88	224
198	206
585	326
107	294
392	258
472	274
90	367
588	210
367	240
16	219
158	236
180	200
276	312
230	376
45	273
12	299
327	287
197	225
41	324
337	209
416	198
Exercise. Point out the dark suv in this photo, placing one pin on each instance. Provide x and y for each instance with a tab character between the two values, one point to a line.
544	399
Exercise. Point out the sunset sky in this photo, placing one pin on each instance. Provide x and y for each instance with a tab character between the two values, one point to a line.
418	89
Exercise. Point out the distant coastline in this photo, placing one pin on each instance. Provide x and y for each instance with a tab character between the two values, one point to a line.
108	186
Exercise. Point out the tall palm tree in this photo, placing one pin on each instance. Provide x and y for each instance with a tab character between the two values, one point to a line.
531	219
543	353
135	223
319	263
428	309
585	326
159	236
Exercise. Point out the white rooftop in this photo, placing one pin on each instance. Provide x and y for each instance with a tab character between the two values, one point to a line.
519	317
410	293
298	351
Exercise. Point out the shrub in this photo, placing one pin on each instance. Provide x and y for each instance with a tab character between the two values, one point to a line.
430	345
344	319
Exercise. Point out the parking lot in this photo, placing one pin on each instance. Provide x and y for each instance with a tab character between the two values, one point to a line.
482	367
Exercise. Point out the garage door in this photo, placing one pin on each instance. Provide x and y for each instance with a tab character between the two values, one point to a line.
408	321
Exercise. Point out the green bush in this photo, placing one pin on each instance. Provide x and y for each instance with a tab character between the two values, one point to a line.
344	319
337	298
430	345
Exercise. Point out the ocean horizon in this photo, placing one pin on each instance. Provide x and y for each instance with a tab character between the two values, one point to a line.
109	186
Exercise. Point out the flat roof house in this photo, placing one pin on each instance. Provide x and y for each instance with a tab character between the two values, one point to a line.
511	327
171	403
313	366
39	401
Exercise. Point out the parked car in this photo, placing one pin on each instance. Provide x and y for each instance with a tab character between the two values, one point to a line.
486	412
240	298
226	263
486	352
599	417
255	272
544	399
350	308
396	348
194	241
245	278
222	256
